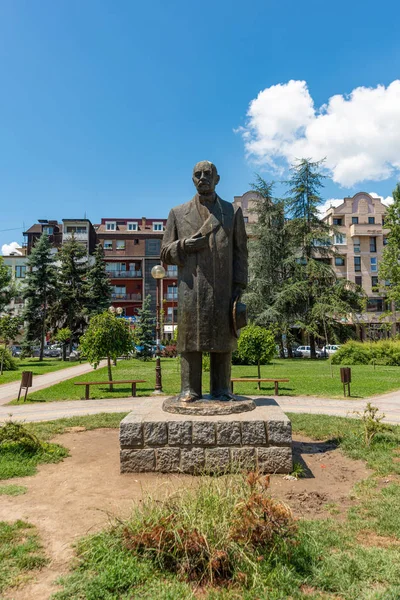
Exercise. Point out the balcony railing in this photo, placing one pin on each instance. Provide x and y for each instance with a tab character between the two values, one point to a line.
124	297
80	237
120	274
173	297
369	229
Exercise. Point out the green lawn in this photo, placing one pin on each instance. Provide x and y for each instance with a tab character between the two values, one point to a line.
307	378
38	368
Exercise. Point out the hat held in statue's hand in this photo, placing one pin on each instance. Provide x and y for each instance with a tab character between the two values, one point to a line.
239	316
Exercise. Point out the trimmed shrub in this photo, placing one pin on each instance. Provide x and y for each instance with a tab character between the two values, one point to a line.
383	352
10	364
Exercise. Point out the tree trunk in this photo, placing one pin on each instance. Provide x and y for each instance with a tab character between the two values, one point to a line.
109	372
2	359
43	333
259	375
313	353
281	348
64	352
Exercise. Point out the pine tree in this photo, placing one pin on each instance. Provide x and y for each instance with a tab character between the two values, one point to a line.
39	292
313	290
144	330
69	307
389	269
98	289
269	252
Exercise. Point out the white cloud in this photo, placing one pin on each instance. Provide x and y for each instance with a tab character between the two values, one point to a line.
13	248
359	134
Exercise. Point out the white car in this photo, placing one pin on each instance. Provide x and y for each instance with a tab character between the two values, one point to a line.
328	350
306	351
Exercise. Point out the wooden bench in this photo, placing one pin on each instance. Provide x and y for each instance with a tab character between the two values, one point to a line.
87	384
275	381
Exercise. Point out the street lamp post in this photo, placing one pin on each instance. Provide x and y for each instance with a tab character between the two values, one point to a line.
158	272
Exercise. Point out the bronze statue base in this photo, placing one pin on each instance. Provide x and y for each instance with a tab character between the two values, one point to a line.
208	407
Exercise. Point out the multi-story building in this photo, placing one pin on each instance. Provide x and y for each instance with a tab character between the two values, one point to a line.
359	239
82	230
247	202
132	249
52	228
16	263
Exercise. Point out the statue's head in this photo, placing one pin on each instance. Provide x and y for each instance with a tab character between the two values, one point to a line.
205	177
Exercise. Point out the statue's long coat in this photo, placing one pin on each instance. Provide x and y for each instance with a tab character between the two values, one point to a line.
206	278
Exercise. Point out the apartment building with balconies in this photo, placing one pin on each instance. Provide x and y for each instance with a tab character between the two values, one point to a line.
83	232
359	239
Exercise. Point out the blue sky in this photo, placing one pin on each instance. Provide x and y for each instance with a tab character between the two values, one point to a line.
105	106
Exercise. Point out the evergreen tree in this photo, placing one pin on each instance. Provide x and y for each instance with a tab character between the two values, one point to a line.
98	289
9	329
68	311
269	253
313	289
144	330
39	292
6	288
389	269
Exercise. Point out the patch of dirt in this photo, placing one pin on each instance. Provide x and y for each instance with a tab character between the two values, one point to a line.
82	494
370	538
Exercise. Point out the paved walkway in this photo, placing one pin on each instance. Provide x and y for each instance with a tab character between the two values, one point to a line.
48	411
9	391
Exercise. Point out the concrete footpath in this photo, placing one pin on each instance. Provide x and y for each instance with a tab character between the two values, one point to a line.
9	391
49	411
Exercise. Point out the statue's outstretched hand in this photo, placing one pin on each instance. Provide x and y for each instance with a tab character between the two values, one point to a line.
195	243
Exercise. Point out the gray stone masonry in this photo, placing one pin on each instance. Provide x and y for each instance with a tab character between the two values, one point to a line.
154	440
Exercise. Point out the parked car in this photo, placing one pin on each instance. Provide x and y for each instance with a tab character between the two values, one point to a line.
306	351
328	350
16	351
296	353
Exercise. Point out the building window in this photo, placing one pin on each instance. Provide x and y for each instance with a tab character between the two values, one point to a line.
76	229
246	219
375	305
374	281
107	245
383	220
385	240
20	272
337	222
371	220
120	245
340	239
359	280
374	264
372	244
110	226
157	226
135	241
356	245
49	230
132	226
354	220
119	292
339	261
172	271
172	292
153	247
357	263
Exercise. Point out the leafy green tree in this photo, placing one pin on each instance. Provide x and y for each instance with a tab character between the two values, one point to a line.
107	336
6	288
39	292
63	336
98	289
256	346
9	329
270	249
144	330
389	269
68	310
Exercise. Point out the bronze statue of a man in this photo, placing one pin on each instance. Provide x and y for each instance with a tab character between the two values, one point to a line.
206	238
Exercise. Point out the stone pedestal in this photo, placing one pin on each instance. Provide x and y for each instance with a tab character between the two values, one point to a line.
154	440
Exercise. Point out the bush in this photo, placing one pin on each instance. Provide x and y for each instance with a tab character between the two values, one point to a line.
383	352
10	364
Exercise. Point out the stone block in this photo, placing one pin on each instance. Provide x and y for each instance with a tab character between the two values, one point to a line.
168	460
192	460
279	433
253	433
274	460
131	435
180	433
217	460
243	458
155	434
136	461
203	433
228	433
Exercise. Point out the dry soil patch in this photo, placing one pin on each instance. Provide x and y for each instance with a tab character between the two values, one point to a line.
82	494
